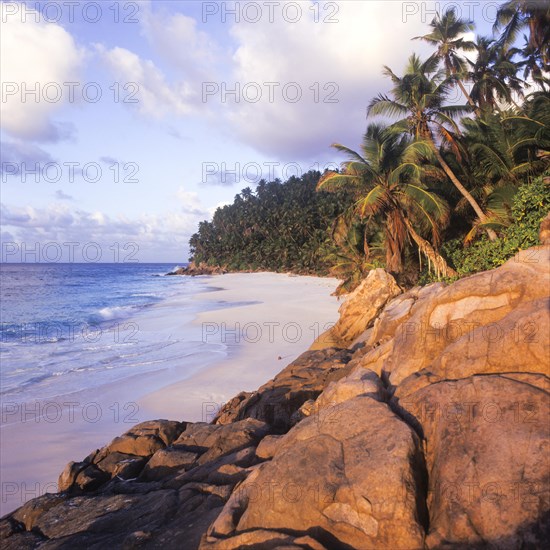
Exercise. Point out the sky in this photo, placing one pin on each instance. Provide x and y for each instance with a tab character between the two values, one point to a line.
125	124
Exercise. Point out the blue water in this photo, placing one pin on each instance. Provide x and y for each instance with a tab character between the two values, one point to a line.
70	327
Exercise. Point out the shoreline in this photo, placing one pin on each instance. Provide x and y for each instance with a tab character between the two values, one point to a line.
37	442
269	337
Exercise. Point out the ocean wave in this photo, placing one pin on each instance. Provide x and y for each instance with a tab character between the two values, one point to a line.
112	312
86	338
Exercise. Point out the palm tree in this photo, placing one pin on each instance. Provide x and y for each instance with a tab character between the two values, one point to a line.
419	97
532	66
501	150
494	75
516	15
486	146
446	35
350	253
388	187
530	130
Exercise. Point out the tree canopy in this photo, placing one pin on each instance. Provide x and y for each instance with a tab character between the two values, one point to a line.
437	189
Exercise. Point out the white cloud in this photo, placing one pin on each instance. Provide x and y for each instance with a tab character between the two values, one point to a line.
336	65
176	39
159	237
349	53
154	96
41	56
19	156
190	201
190	53
335	60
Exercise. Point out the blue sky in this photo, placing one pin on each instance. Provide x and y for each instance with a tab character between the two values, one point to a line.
154	155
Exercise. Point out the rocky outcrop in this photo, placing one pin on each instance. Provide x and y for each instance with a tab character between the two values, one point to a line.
430	429
446	327
279	402
487	438
333	478
124	458
200	269
360	309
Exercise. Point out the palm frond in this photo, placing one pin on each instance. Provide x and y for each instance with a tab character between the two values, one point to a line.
348	151
428	201
383	105
332	182
374	201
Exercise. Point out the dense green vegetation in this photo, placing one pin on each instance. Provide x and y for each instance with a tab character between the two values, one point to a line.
530	205
279	227
437	190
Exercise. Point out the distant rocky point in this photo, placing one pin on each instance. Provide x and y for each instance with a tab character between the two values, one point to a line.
420	421
200	269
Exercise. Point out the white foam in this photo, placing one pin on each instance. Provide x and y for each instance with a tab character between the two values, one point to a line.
109	313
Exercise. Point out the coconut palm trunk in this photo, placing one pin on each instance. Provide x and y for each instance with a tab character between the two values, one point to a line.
471	102
456	182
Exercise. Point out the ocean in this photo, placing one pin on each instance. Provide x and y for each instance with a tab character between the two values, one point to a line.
65	328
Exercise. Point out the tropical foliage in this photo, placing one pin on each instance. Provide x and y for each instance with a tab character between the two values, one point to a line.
278	227
437	189
393	191
530	205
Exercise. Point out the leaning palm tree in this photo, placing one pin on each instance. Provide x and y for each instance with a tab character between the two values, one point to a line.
389	188
419	98
448	37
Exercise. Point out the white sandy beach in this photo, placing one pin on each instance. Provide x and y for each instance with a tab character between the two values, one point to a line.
260	321
273	319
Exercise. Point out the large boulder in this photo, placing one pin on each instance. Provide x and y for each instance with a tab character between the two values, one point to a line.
488	441
170	460
212	441
353	477
362	306
148	437
477	312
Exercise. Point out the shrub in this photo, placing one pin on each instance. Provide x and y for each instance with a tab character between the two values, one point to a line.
530	205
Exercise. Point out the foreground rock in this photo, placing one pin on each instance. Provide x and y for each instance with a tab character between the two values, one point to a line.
332	477
430	429
487	438
280	401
